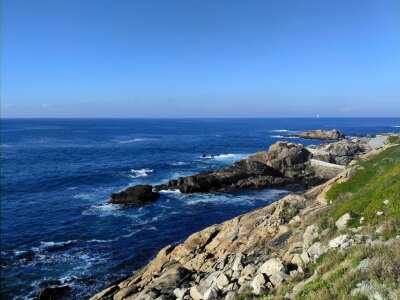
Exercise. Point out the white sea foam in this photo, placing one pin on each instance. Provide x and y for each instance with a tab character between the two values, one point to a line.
47	245
283	137
140	172
176	191
280	130
136	140
179	163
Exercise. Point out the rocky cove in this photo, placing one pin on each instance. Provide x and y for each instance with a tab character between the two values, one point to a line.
257	253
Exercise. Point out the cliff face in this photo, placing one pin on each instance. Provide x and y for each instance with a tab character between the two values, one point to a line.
276	251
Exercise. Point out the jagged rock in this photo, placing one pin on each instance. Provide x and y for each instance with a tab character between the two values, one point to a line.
339	241
309	236
259	283
305	257
136	195
341	223
247	274
197	293
319	134
369	289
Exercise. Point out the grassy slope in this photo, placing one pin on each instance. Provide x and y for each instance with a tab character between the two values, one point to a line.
363	196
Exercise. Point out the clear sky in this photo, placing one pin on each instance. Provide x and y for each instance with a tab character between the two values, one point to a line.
199	58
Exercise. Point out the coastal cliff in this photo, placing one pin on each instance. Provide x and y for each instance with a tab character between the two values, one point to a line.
338	239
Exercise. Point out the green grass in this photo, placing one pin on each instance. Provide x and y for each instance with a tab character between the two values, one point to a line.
364	194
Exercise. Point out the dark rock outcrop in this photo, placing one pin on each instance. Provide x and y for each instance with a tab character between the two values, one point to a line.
319	134
136	195
53	293
284	163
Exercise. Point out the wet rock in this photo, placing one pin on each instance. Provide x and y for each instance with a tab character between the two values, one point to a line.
53	293
136	195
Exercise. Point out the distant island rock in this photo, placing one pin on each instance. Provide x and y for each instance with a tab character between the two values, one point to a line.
134	196
318	134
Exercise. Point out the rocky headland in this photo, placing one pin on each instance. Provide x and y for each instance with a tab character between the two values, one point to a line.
323	243
301	246
318	135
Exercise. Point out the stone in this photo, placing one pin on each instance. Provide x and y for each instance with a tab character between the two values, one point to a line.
370	290
278	277
379	213
247	274
211	293
309	236
231	295
197	293
341	223
180	292
296	260
258	283
362	220
222	281
305	258
386	202
364	264
134	196
272	266
316	250
339	241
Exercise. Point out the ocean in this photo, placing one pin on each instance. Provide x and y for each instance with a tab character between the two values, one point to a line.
57	176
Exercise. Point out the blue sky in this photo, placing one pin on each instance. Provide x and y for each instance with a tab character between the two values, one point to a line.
199	58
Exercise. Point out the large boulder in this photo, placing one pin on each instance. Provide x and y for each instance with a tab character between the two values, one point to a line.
288	159
319	134
53	293
136	195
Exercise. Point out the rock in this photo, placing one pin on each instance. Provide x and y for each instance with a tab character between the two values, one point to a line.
222	281
53	293
362	220
316	250
319	134
341	223
339	241
272	266
370	290
386	202
231	295
379	213
136	195
309	236
275	269
237	265
258	283
197	293
180	292
296	260
305	257
247	274
211	293
364	264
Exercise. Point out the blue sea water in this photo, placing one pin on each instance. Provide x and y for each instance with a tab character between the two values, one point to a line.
57	175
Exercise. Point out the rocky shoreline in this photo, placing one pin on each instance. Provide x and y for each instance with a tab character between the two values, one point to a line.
258	251
283	164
